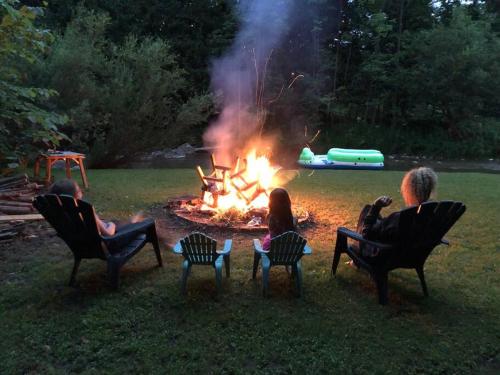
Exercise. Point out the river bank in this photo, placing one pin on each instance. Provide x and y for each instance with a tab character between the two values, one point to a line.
392	162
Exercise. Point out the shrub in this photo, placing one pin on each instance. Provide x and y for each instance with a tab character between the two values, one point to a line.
120	98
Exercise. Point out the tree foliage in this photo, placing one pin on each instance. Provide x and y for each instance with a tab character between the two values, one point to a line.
414	76
25	119
195	30
121	97
417	72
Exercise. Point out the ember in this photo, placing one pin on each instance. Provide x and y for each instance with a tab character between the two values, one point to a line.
242	187
189	208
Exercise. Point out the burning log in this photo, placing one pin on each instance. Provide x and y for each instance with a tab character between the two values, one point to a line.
241	191
215	183
235	198
241	186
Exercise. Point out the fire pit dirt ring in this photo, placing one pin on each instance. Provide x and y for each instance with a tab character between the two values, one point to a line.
189	208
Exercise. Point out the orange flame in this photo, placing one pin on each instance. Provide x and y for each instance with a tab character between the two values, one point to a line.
245	187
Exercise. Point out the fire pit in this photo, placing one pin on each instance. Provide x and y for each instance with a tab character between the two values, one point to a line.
234	197
188	208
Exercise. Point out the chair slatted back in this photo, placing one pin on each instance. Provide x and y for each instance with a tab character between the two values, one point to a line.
74	221
422	228
287	248
198	248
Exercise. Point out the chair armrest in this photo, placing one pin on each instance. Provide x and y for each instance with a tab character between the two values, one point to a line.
227	247
132	229
307	250
358	237
120	235
444	241
258	247
177	248
120	240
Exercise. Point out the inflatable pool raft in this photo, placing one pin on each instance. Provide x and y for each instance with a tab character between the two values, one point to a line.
342	158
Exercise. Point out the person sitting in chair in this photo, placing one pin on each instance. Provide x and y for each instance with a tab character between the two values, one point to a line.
416	188
106	228
280	218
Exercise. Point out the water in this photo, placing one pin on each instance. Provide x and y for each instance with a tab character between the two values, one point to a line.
392	163
190	161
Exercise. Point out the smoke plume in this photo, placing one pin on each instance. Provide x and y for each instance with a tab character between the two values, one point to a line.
239	75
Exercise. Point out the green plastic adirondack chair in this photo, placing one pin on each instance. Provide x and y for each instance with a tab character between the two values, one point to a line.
286	250
198	248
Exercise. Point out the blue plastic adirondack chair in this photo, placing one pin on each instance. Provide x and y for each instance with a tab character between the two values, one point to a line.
198	248
286	250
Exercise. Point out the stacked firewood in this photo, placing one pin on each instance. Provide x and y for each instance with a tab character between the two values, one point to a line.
16	196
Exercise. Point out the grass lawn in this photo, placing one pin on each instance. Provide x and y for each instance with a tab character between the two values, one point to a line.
337	327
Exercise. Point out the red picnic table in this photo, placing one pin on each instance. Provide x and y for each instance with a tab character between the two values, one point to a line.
68	156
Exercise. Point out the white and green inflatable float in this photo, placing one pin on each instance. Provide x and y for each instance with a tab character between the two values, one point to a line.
342	158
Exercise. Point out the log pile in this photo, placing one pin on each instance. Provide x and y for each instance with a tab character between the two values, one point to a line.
16	196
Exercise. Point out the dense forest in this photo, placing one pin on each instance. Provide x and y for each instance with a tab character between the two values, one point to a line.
113	78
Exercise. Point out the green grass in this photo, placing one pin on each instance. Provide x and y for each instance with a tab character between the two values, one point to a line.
337	327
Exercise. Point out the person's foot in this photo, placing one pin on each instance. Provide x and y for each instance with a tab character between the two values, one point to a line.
137	217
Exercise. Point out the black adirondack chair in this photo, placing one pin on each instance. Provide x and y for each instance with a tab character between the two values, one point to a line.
74	221
421	229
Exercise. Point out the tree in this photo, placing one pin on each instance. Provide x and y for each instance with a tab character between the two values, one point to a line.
197	30
453	74
121	97
384	73
26	121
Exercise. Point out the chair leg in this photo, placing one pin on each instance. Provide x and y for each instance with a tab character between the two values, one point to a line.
218	276
381	282
256	259
114	274
294	272
421	276
75	270
266	265
153	238
186	267
340	247
298	277
228	265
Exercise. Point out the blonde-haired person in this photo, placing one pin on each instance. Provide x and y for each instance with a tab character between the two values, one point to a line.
417	187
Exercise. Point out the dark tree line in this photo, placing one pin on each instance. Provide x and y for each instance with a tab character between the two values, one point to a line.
413	76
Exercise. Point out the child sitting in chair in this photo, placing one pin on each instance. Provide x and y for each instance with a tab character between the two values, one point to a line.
280	218
71	188
416	188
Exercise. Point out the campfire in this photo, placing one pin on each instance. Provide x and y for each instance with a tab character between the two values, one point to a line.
245	186
235	196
